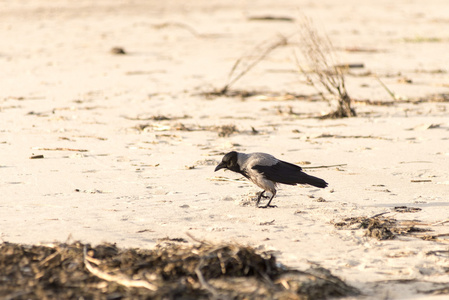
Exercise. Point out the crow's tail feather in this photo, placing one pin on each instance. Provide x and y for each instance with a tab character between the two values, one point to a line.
315	181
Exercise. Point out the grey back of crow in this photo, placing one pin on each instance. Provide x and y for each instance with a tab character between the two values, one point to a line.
266	171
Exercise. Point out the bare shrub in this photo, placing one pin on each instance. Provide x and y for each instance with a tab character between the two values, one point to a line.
324	73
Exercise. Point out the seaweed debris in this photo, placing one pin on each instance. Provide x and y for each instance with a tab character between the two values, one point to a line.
381	228
172	270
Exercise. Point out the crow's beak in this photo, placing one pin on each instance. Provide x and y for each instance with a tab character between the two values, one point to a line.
221	165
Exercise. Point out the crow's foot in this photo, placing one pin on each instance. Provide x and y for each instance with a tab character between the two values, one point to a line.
267	206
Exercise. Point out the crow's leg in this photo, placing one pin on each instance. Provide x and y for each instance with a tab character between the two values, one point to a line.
259	197
269	201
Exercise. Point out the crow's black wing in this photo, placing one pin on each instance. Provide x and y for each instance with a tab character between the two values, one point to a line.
282	172
287	173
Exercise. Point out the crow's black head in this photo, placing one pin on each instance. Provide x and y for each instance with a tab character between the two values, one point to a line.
229	162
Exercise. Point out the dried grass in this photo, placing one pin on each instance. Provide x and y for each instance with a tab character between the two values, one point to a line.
324	73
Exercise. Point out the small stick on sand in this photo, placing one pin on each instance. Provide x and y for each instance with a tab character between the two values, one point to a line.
61	149
378	215
393	95
323	167
441	222
196	239
220	178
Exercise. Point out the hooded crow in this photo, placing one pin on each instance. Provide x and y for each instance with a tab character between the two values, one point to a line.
266	172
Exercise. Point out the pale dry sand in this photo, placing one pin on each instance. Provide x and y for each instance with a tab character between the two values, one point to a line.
62	91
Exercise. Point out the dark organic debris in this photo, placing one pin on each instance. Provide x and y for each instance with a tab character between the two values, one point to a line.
226	130
38	156
229	93
206	162
182	127
406	209
381	228
61	149
344	109
288	111
363	50
258	95
436	237
118	50
438	291
172	270
440	253
321	199
168	239
271	18
432	98
222	130
350	66
254	131
144	117
337	136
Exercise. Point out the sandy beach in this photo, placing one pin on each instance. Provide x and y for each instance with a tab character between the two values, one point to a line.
105	147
